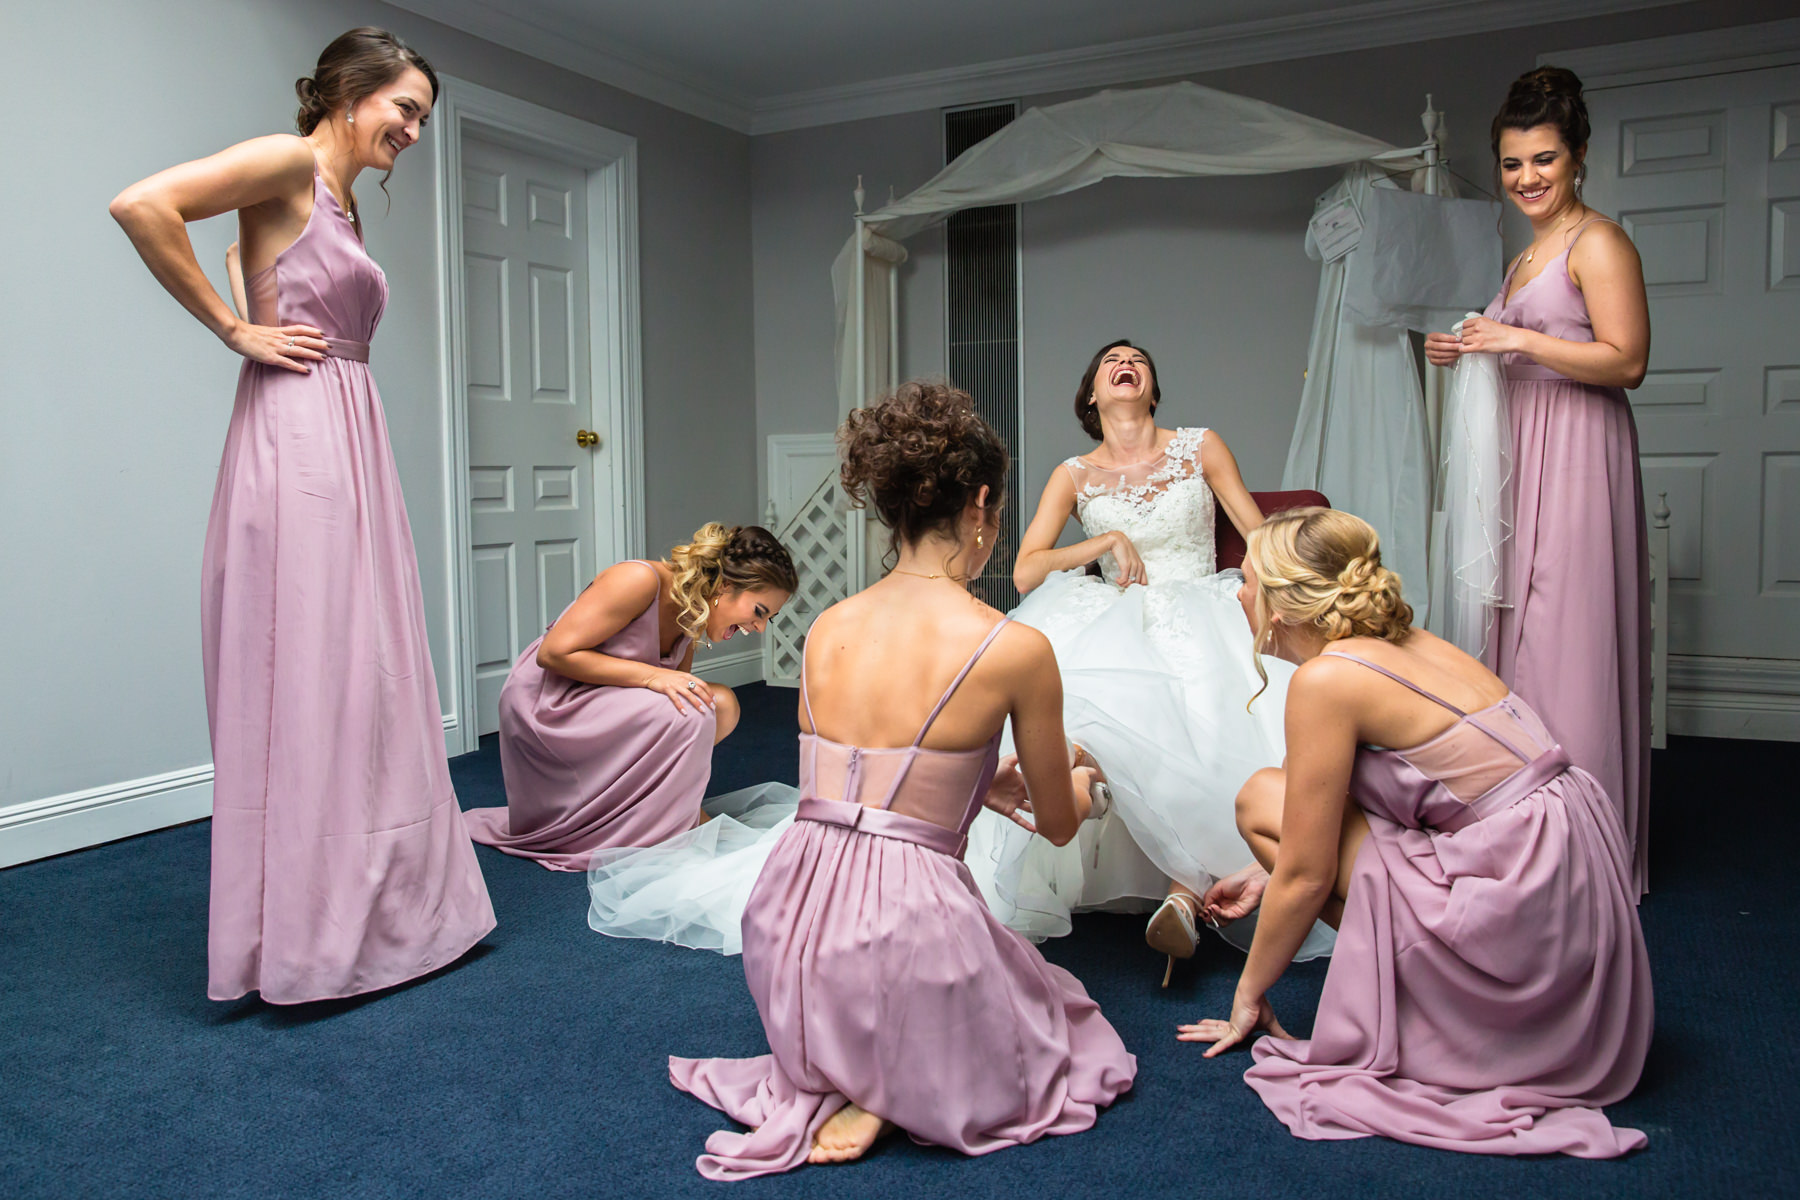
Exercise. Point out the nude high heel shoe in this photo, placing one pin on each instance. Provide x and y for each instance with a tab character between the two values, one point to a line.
1172	930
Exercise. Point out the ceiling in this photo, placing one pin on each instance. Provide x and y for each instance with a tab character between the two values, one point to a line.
760	66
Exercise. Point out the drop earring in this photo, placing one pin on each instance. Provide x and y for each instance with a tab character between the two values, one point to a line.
980	539
349	118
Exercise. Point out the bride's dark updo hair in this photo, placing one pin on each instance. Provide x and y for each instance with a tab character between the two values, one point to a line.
918	458
356	64
1086	413
1546	96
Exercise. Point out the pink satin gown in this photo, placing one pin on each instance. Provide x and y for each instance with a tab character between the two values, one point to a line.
1575	635
883	980
590	767
339	859
1490	989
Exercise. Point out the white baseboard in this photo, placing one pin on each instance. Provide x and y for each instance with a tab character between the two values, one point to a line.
733	669
74	820
1734	697
54	825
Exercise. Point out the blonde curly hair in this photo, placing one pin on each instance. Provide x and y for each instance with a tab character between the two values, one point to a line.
744	557
1322	567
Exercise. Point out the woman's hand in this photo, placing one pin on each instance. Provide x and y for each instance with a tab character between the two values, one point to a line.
684	691
1235	896
286	346
1480	335
1443	349
1248	1014
1007	795
1131	567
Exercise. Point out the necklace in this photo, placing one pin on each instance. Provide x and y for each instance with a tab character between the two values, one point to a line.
1531	252
922	575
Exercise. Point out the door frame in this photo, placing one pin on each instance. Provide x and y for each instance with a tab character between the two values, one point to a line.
614	336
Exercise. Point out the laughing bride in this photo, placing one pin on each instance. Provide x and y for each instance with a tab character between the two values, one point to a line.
1157	669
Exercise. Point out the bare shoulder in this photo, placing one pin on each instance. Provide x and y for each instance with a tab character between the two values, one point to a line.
629	580
1603	244
1327	678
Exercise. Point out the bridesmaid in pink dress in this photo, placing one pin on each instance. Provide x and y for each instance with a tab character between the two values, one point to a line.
1573	327
339	860
1490	990
606	735
891	996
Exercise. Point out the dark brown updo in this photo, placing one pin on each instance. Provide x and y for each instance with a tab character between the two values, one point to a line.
1546	96
1088	414
919	457
355	65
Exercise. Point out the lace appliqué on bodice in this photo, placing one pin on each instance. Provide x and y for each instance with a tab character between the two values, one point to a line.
1164	506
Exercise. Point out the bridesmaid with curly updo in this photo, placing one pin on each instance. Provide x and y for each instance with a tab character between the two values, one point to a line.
606	735
891	996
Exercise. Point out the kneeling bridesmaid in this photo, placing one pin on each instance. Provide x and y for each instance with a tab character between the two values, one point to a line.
1490	990
605	736
891	996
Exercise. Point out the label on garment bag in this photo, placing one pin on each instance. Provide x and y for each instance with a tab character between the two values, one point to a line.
1336	229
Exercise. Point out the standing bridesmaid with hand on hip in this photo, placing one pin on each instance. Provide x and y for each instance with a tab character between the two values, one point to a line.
1572	327
339	859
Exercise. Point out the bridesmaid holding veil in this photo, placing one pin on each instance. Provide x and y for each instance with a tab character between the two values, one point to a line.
339	860
1572	327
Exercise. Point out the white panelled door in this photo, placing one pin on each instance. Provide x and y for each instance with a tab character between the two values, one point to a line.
1705	175
532	463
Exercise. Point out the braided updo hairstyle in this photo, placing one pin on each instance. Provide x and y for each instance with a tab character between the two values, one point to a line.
1546	96
744	557
918	457
1322	567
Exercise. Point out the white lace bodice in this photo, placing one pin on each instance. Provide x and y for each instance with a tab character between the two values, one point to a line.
1164	506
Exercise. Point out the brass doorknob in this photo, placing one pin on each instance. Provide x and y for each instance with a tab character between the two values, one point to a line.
586	438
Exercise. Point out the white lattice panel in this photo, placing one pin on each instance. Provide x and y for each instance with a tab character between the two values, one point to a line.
820	539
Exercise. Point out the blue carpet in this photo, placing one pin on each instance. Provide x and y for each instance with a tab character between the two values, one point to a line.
535	1067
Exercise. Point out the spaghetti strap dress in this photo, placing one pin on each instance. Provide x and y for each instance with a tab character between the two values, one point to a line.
1574	634
883	980
589	766
339	859
1490	990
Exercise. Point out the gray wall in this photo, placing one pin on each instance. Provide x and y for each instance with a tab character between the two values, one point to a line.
113	402
1210	274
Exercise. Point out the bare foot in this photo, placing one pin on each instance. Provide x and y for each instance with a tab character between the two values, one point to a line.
847	1134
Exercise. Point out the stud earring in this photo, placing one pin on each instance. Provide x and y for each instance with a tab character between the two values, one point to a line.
349	118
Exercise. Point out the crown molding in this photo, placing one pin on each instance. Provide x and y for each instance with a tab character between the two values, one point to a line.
641	75
1276	39
1653	60
1364	26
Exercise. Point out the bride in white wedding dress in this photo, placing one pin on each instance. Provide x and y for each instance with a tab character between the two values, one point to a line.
1157	669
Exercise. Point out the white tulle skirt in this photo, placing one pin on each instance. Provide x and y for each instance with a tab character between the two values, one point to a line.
691	889
1157	686
1156	681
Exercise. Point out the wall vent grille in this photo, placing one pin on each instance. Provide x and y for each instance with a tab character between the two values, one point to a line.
981	336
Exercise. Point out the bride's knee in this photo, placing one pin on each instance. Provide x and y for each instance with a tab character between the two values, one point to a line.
1258	799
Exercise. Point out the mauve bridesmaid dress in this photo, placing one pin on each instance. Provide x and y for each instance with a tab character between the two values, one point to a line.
883	980
339	859
589	766
1490	989
1575	635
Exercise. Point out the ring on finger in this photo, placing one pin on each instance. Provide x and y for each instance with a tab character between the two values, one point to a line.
692	684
